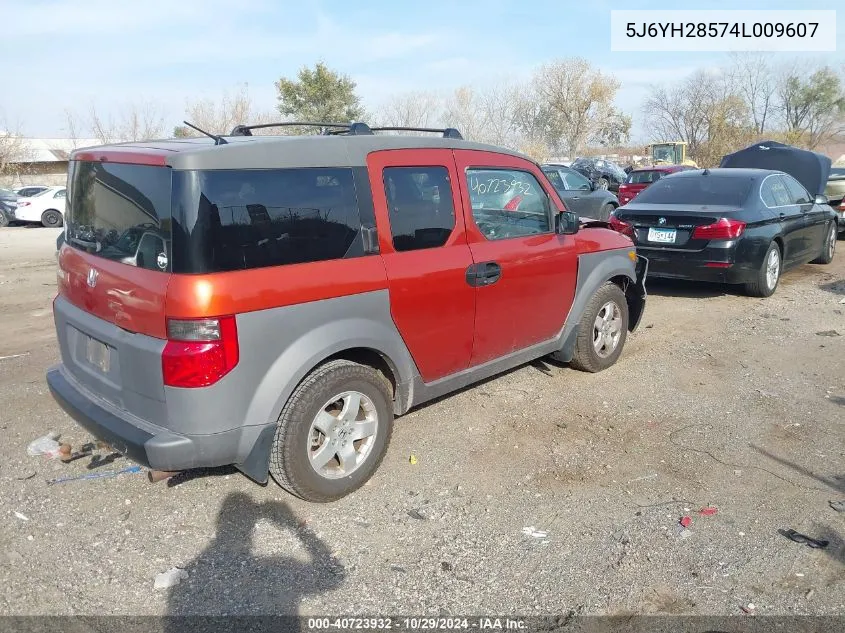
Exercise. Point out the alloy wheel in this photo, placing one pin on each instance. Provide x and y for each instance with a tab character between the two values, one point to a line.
607	329
772	268
342	435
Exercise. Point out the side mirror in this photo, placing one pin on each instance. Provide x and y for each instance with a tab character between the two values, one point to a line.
821	199
566	223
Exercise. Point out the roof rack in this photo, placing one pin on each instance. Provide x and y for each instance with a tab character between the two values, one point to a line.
355	129
448	132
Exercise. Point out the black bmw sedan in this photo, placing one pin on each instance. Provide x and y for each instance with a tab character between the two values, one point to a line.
732	225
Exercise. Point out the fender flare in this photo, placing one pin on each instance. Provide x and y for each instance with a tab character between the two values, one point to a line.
594	270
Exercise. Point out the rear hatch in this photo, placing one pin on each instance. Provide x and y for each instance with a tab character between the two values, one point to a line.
670	226
636	182
113	274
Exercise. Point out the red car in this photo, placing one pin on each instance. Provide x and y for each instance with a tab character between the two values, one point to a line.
641	178
273	302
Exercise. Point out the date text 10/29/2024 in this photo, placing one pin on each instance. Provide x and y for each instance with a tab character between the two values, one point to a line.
417	624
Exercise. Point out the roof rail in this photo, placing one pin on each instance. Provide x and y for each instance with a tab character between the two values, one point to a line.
448	132
355	129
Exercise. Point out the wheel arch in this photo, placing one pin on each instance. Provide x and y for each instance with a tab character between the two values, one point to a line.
595	270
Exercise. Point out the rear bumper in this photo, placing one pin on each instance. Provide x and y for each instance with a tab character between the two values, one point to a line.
154	446
715	264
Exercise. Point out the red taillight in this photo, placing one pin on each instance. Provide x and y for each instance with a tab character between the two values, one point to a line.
621	226
841	206
724	229
199	352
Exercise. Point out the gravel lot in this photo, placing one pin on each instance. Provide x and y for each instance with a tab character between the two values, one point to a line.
719	400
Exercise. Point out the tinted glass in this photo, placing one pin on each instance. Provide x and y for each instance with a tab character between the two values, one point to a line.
61	193
774	192
797	193
237	219
111	206
574	181
711	190
507	203
643	177
419	204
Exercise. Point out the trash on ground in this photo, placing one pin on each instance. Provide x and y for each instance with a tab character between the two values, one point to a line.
45	445
685	533
129	470
14	356
797	537
644	477
828	333
21	516
799	575
412	459
709	511
839	506
169	578
748	608
686	521
534	532
416	514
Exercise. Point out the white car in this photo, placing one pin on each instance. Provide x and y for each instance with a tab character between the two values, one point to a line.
47	207
30	190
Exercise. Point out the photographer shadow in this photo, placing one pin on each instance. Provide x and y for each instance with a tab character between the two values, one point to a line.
229	588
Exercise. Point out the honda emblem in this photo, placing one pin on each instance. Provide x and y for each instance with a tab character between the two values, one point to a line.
92	277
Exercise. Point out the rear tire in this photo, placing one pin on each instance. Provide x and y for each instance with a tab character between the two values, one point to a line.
51	218
829	247
606	210
768	276
602	183
4	220
294	460
602	330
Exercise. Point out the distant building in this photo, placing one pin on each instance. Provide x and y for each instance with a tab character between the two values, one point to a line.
41	161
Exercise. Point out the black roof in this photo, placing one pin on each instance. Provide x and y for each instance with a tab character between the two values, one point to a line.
811	169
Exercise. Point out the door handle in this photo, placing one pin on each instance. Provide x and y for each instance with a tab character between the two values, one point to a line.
575	198
483	274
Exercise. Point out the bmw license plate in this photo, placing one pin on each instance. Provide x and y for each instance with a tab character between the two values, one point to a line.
98	354
662	236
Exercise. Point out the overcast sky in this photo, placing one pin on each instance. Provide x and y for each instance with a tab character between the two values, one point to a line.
69	54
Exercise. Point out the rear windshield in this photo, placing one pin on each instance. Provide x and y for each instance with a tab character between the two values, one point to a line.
699	189
212	221
643	177
120	212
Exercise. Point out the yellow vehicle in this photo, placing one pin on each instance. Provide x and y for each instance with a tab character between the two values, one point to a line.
674	153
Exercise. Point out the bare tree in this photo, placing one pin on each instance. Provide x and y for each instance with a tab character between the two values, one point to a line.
580	104
753	79
461	111
703	111
220	117
14	151
135	122
412	109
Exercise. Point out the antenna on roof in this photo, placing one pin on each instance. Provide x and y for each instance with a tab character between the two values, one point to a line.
218	140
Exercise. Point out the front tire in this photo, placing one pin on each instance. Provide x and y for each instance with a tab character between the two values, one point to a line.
769	274
51	218
333	432
602	330
602	183
829	248
4	220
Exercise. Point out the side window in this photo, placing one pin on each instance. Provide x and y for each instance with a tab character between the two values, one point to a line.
575	181
419	205
61	193
774	192
797	193
508	203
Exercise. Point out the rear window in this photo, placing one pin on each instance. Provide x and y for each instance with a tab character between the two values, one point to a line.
711	190
239	219
643	177
120	212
